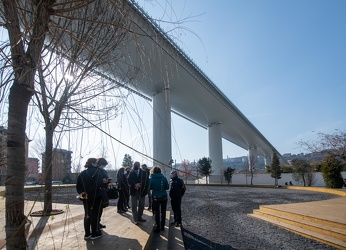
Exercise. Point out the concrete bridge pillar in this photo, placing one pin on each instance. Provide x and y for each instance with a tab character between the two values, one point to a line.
252	157
267	161
215	151
162	142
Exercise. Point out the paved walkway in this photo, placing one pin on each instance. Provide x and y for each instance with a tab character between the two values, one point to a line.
66	231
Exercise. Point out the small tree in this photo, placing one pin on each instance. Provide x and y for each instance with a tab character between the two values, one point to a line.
185	169
303	171
204	167
228	173
127	161
275	168
331	172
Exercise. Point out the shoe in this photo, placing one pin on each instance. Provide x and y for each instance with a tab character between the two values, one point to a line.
96	236
173	223
157	230
121	211
149	208
178	225
136	222
142	220
86	237
102	226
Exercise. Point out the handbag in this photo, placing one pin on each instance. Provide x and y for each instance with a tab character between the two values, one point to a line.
104	198
112	192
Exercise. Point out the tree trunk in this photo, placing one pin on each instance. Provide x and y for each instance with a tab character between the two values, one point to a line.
24	67
303	178
19	99
251	179
47	169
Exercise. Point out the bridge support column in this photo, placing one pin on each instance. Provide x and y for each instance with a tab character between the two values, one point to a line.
267	161
162	142
215	151
252	157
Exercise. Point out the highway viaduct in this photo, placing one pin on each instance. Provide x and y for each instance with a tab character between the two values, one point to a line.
167	76
152	65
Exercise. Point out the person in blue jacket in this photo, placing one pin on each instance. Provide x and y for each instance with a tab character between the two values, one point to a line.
159	185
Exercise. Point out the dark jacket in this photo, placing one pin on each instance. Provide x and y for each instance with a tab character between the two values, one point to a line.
122	182
142	179
177	189
90	181
104	175
159	184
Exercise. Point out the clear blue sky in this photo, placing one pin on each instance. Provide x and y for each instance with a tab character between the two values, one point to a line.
282	63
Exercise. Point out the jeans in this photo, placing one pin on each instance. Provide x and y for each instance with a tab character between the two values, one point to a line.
137	206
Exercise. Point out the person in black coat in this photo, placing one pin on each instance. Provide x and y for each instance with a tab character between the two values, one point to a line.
89	183
127	199
145	168
176	192
138	190
123	190
102	163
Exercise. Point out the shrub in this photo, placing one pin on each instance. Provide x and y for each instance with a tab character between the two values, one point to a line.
228	174
331	172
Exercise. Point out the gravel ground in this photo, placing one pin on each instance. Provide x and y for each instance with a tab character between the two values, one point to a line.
216	218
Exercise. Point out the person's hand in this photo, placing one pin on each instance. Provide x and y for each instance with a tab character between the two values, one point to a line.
137	186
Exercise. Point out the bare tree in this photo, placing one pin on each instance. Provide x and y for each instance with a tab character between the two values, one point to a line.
25	48
328	144
80	35
62	99
185	169
76	30
252	167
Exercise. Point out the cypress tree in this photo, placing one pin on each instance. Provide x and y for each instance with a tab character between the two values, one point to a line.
275	168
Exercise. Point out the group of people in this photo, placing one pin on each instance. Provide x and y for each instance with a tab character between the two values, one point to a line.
90	184
134	184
